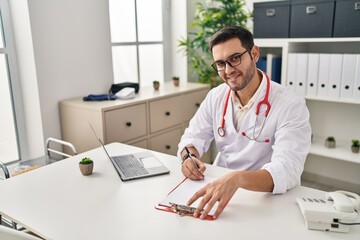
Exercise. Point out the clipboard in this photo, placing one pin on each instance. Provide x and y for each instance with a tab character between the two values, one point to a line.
175	201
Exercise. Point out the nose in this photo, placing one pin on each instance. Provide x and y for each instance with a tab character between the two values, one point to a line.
228	68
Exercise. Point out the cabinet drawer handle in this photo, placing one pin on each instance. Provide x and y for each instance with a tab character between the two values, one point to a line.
167	113
310	9
357	6
168	147
197	104
270	12
128	124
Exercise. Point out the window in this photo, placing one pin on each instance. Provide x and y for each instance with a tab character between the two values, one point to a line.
10	97
137	36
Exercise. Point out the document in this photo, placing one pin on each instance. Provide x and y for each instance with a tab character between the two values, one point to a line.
336	61
183	192
312	74
348	76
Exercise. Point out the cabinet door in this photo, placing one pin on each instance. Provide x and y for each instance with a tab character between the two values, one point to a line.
166	142
165	113
191	103
124	124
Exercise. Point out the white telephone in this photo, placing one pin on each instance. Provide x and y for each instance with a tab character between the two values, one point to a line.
330	213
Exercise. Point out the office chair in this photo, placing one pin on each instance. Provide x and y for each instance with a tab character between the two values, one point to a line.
53	155
12	234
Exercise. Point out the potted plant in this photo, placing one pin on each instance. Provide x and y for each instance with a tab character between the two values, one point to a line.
86	166
156	85
355	146
176	81
209	18
330	142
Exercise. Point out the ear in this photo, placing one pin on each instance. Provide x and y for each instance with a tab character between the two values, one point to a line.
255	53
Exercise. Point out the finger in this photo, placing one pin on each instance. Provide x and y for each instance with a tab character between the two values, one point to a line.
193	172
210	204
219	209
196	196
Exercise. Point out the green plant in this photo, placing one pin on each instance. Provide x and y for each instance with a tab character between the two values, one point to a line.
207	21
330	139
156	82
175	78
355	143
86	160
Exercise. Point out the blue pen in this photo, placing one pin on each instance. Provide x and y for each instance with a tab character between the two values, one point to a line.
195	165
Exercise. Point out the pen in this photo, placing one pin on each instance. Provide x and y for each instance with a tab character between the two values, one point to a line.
195	165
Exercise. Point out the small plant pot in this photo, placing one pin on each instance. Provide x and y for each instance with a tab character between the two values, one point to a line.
330	144
176	82
355	149
86	169
156	86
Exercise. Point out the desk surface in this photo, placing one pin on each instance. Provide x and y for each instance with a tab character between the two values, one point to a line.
57	202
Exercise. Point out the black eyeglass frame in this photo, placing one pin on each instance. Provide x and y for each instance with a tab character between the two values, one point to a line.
227	61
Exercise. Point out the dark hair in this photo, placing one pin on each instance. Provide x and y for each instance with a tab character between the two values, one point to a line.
227	33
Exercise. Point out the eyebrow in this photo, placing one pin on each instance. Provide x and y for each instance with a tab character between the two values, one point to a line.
232	55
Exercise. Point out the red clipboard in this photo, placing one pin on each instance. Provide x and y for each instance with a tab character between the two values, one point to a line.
181	194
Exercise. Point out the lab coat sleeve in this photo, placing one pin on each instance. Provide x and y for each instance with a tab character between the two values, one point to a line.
291	146
200	131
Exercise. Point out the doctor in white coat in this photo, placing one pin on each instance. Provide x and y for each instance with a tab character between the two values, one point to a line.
261	128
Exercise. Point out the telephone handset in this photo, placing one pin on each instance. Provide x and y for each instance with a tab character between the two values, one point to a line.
344	201
329	213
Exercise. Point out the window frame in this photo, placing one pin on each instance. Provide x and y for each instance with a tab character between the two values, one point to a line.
165	42
14	81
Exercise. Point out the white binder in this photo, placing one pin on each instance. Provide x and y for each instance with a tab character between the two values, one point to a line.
357	79
301	73
335	76
291	71
323	81
312	74
348	76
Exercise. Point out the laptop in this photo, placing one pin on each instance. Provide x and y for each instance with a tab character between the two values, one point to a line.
137	165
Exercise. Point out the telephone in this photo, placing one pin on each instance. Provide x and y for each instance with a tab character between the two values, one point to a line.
332	213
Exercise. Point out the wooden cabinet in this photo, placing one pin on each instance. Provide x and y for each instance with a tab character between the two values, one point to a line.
153	119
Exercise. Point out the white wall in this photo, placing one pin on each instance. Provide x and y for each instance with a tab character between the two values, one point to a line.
64	52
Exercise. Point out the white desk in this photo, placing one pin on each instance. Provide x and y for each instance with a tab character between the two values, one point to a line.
57	202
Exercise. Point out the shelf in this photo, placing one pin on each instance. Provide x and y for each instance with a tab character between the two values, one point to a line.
278	42
333	100
342	151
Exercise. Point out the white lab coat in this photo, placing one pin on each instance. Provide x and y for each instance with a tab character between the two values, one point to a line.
287	127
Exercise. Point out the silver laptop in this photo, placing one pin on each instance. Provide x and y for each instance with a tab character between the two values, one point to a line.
136	165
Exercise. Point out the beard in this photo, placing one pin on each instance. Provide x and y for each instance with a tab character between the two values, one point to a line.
238	80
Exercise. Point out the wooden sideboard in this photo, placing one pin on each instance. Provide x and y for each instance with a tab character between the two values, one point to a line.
154	120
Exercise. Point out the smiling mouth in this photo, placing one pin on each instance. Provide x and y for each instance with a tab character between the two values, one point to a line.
233	77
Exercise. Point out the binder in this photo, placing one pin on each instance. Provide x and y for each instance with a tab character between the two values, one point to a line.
291	68
357	79
261	64
324	73
182	193
301	73
335	76
312	74
348	76
276	69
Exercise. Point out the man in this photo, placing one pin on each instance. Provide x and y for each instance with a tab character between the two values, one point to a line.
267	154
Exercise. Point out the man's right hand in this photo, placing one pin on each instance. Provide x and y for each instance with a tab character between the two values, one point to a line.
189	170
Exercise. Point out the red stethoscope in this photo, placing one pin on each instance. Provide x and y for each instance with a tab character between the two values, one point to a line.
265	101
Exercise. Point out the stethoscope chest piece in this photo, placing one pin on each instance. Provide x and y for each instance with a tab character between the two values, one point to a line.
221	132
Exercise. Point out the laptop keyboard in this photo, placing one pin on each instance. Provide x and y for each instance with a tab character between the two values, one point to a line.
130	166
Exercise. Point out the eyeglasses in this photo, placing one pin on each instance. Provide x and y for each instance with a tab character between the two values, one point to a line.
233	61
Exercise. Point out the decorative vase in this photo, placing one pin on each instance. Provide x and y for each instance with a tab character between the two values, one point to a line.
86	169
156	85
355	149
330	144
